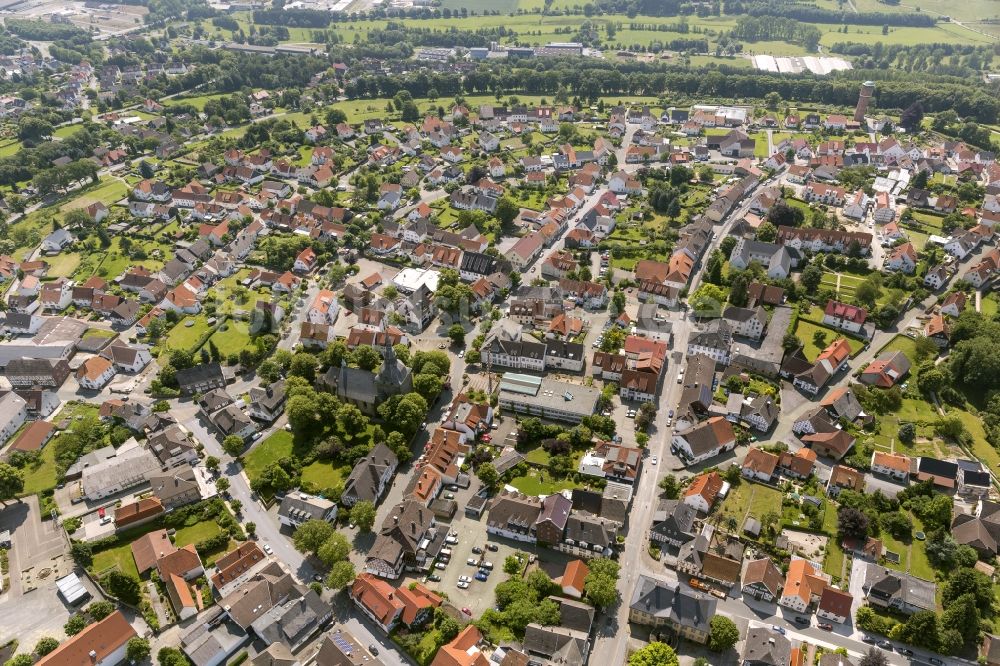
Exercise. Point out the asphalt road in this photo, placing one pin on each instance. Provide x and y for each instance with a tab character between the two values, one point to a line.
611	644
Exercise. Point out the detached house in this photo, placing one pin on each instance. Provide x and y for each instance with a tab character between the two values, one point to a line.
704	441
902	258
846	317
804	585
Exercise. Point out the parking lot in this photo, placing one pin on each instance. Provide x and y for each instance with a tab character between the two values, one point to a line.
472	533
31	608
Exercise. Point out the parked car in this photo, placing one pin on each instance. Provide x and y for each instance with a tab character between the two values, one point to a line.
825	626
905	651
451	541
373	649
268	549
462	585
472	562
464	579
434	578
440	565
776	628
935	661
480	577
801	620
485	572
487	565
467	611
868	639
477	550
653	460
450	496
885	645
492	547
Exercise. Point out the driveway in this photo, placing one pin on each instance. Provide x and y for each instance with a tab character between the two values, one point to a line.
859	568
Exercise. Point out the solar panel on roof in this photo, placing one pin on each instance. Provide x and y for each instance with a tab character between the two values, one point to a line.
344	646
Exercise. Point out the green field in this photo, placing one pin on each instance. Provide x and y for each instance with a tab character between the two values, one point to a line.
847	285
505	6
530	27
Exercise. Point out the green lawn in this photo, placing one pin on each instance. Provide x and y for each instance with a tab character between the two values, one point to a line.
119	557
537	456
278	445
98	333
747	497
8	148
920	566
43	477
186	337
805	330
63	264
538	482
233	339
325	475
981	449
66	131
206	529
917	411
895	546
833	563
109	191
902	343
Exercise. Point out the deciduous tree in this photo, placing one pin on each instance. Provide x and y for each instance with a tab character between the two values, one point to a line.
311	534
363	515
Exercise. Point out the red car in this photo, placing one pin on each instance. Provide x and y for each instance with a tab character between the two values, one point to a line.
825	627
467	611
487	437
100	512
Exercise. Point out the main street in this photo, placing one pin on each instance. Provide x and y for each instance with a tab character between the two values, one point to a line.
612	641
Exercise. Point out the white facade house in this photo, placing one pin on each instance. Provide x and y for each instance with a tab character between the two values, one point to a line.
13	412
299	507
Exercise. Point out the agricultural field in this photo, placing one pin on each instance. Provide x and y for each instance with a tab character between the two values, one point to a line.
531	27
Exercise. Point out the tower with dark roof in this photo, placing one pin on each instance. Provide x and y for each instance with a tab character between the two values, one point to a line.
394	377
